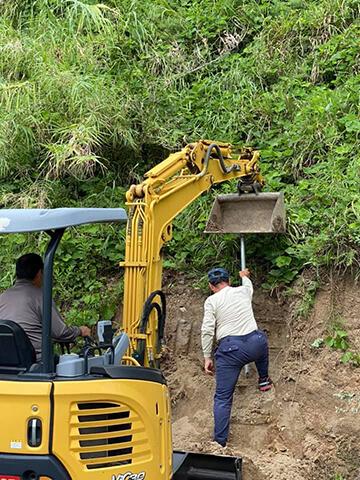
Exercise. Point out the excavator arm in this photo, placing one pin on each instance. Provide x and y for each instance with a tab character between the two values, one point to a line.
168	189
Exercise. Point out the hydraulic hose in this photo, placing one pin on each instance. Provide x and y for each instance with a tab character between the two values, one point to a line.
224	168
160	309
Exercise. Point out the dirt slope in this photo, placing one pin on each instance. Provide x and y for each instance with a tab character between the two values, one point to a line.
308	426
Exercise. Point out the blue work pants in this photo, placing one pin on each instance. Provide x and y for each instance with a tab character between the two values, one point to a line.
232	354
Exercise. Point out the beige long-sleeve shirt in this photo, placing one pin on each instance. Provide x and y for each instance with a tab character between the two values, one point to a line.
227	312
22	304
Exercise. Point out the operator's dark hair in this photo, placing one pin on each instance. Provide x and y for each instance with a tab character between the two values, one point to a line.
28	265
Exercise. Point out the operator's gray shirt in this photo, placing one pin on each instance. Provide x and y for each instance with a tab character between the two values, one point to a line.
22	304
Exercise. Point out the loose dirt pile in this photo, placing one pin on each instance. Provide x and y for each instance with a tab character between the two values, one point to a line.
308	426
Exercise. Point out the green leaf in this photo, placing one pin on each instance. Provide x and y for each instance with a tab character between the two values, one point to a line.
282	261
346	357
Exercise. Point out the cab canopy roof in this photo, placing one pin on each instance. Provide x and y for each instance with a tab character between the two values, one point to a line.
35	220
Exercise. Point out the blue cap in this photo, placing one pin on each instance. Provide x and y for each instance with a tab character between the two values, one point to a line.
218	275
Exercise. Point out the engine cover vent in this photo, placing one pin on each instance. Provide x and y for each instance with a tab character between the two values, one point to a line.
107	434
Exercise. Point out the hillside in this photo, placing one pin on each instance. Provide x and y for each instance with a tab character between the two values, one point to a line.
93	94
307	427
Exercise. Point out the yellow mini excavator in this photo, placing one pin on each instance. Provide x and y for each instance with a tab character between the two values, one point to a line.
104	413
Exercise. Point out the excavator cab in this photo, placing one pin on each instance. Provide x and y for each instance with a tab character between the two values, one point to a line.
89	417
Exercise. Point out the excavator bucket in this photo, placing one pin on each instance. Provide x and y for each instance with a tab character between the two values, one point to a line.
247	213
200	466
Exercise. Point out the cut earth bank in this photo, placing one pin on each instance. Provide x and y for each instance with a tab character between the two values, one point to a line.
308	426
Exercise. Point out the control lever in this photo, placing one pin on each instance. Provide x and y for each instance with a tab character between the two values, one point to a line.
88	350
105	332
105	336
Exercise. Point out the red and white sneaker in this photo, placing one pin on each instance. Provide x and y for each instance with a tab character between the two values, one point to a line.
265	384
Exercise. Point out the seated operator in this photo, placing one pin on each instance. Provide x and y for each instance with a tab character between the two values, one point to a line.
23	304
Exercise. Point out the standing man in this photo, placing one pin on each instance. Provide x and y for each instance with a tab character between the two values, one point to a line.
228	316
22	304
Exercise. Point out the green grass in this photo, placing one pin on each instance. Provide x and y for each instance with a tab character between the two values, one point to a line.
93	94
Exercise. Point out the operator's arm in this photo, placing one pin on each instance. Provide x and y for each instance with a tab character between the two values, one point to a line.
208	328
246	282
59	330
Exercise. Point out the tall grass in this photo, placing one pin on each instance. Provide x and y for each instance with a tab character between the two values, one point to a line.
94	93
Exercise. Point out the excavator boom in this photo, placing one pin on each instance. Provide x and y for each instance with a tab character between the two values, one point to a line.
168	189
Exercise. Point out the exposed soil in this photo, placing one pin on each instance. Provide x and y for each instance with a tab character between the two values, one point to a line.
308	426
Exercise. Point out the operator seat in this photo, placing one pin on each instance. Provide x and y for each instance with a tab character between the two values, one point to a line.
17	353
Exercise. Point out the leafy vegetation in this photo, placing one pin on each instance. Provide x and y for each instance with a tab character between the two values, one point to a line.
93	94
338	339
351	358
